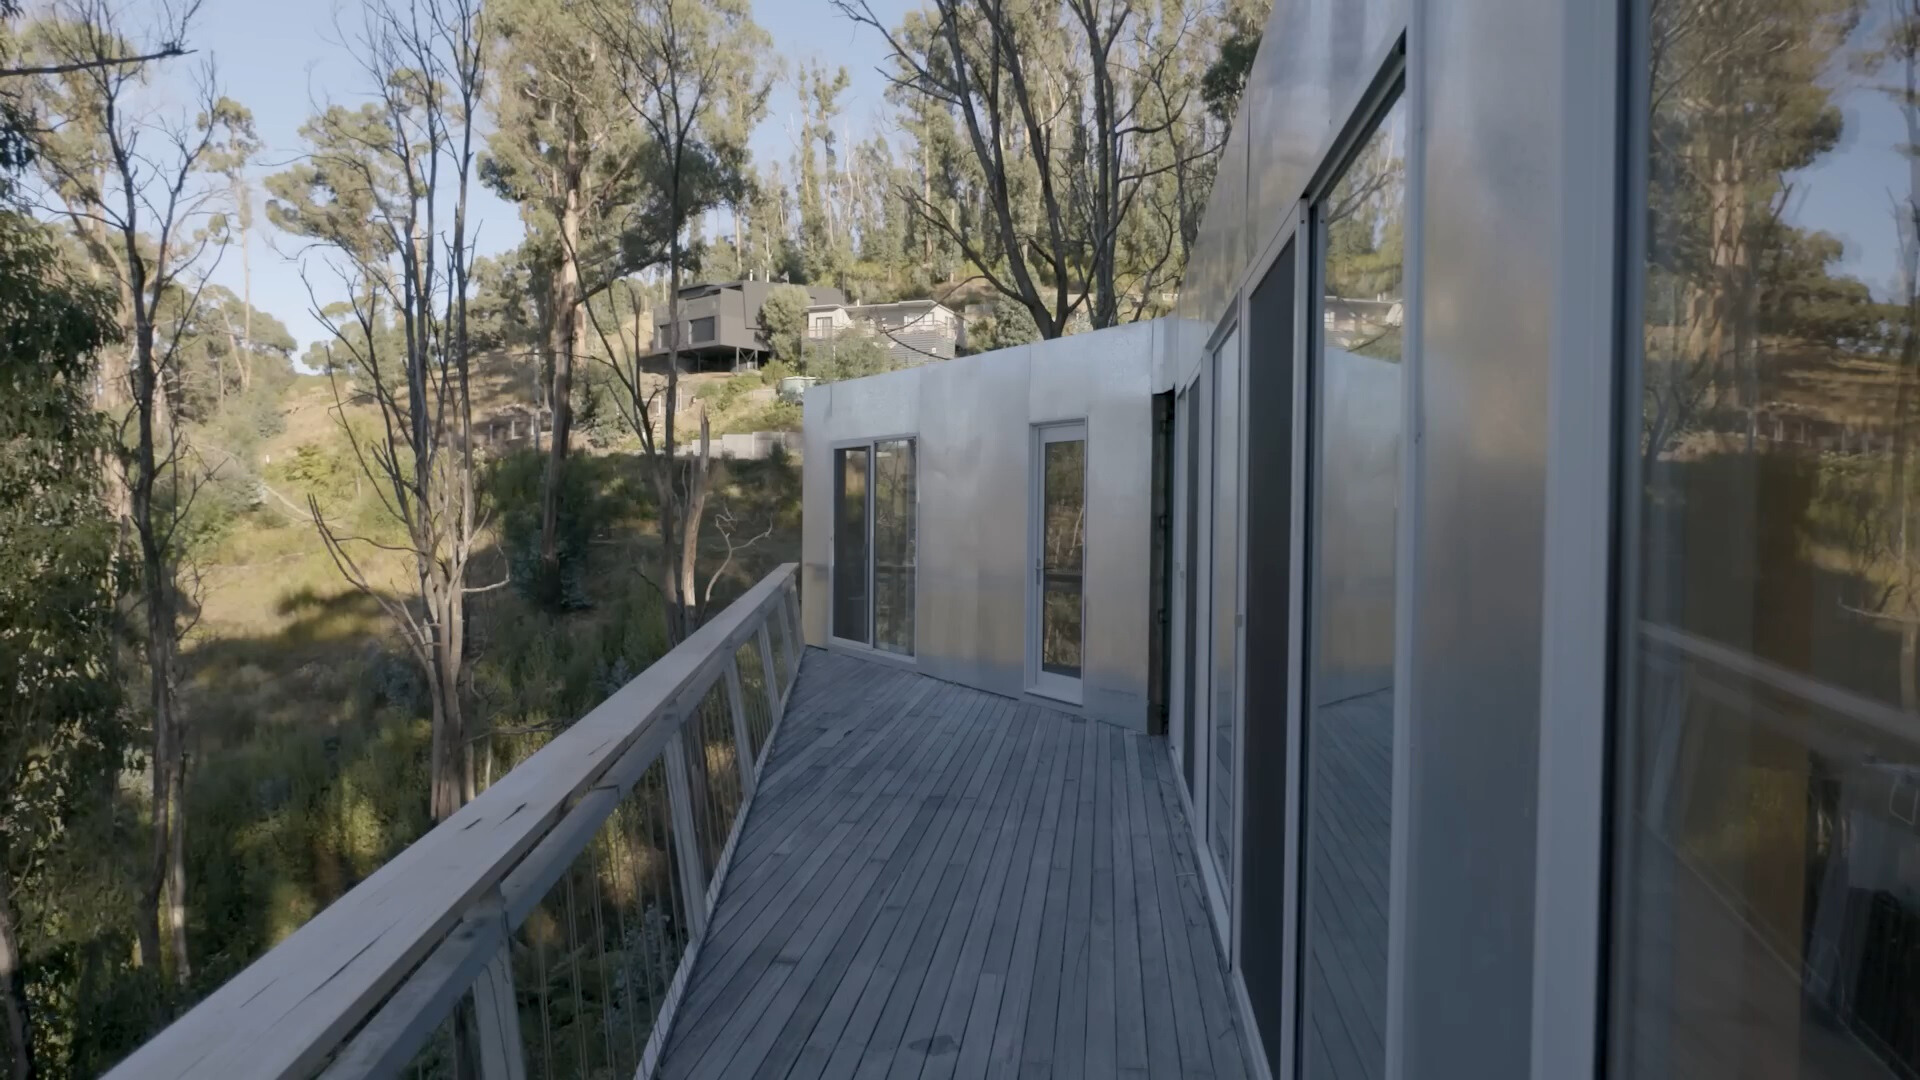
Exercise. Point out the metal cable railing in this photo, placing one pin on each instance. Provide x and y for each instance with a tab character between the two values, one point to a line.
546	929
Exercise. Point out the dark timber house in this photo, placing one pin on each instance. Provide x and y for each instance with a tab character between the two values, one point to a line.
720	323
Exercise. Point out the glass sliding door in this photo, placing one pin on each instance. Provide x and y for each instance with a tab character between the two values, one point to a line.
1186	553
1766	818
893	545
851	568
1059	542
1266	811
1354	493
1226	604
875	495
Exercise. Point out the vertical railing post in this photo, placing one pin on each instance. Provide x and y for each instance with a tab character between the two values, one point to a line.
743	755
686	838
497	1018
789	627
790	602
772	680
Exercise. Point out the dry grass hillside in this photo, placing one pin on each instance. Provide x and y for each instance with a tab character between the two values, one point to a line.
307	721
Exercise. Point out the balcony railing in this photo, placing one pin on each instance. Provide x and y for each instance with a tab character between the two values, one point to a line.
549	926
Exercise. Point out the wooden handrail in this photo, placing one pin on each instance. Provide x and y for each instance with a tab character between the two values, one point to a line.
283	1014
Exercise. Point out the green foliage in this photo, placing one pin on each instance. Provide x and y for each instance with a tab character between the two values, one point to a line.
848	356
512	486
720	394
597	494
784	315
774	370
774	416
65	735
1226	77
1010	324
501	314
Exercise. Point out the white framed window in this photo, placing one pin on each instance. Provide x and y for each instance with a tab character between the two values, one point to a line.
1056	606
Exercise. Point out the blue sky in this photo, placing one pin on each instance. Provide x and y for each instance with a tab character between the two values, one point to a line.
281	59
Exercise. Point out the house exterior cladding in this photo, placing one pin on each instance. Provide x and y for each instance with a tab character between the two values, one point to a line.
916	331
720	323
1527	604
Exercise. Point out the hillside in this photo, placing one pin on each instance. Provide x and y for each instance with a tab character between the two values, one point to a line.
309	726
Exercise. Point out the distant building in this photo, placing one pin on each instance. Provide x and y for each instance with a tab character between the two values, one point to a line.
915	331
720	324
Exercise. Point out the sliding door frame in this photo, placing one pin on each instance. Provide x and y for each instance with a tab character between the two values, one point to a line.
1290	232
1041	682
871	444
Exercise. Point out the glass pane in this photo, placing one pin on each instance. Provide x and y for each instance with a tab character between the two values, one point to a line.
850	544
1189	406
1226	600
893	545
1355	492
1767	904
1063	540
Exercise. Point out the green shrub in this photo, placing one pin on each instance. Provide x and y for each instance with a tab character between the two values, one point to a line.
774	416
773	371
512	487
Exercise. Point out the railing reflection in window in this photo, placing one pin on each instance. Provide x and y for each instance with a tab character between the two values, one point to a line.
1767	904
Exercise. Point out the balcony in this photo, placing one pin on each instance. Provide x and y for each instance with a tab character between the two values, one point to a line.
760	860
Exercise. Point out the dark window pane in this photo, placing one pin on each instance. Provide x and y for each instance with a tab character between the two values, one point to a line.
702	330
1267	812
893	545
1767	904
1062	541
1190	604
1226	599
1355	492
850	567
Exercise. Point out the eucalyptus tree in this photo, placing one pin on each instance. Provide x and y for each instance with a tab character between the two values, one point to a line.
689	74
372	193
65	736
826	247
128	174
565	149
1041	113
231	161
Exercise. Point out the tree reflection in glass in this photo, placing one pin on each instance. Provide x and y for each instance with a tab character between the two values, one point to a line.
893	545
1064	504
1364	310
1769	873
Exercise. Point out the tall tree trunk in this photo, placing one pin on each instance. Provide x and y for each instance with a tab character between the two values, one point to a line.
564	301
167	873
451	762
246	298
687	584
673	597
176	912
17	1009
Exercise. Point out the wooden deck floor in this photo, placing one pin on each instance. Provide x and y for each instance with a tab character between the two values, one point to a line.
939	882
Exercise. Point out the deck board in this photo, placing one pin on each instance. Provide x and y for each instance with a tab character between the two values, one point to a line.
938	882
